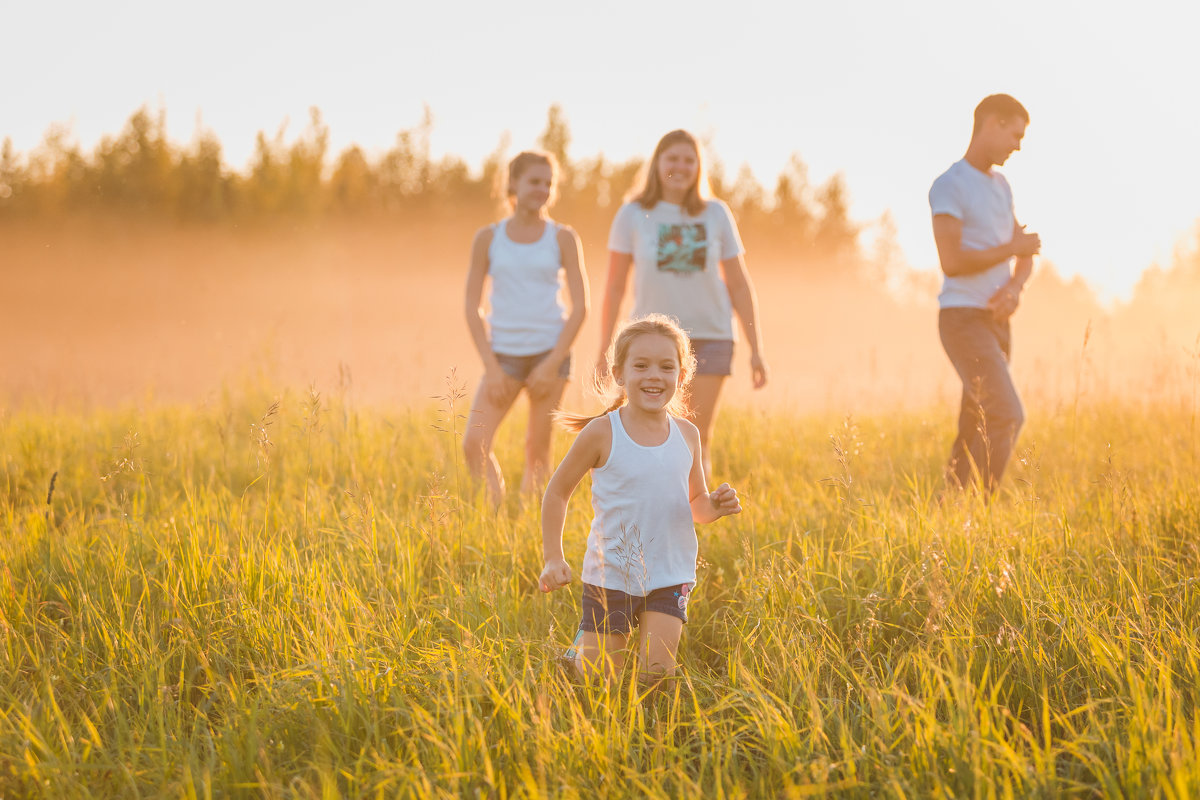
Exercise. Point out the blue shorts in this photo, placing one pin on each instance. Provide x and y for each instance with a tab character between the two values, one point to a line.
519	367
610	611
713	356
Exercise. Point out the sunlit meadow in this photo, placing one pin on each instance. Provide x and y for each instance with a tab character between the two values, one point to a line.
277	594
270	591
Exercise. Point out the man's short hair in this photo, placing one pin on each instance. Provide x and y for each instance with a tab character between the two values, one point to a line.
1004	106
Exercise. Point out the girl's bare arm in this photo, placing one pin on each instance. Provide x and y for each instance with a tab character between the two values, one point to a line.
706	506
589	451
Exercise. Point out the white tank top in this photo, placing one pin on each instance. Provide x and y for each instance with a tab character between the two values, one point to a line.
527	312
642	535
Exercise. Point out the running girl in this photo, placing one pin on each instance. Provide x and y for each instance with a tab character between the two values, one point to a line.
687	262
648	489
526	340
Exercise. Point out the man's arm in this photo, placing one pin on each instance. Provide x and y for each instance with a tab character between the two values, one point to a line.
955	260
1005	301
1021	272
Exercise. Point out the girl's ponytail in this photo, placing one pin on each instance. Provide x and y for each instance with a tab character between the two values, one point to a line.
577	422
607	389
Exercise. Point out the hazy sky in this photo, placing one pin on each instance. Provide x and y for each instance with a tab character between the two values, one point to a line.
878	90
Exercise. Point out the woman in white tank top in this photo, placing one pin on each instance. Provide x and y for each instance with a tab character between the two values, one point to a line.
525	342
648	491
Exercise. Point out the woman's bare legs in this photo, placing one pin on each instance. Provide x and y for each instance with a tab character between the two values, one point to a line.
487	412
705	401
539	437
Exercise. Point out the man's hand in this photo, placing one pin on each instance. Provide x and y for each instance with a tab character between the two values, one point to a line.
1025	244
1004	302
555	574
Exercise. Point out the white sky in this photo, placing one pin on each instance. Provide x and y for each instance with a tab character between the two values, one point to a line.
878	90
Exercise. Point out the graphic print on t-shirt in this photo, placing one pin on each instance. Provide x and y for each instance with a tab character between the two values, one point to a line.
682	248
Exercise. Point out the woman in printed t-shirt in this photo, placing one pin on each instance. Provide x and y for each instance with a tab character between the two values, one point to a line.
526	340
686	257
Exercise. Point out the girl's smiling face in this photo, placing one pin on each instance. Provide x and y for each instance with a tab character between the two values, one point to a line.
533	188
678	167
650	373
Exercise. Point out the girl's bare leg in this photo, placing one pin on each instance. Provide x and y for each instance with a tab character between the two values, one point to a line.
600	654
658	645
485	417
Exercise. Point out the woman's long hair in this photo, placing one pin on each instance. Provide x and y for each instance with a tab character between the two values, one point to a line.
613	394
650	192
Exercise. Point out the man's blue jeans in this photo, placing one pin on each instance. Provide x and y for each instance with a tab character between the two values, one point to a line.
991	414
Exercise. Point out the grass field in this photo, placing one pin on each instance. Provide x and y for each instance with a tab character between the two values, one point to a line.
294	598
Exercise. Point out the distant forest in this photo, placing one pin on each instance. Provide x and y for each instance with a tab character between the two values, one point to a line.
140	173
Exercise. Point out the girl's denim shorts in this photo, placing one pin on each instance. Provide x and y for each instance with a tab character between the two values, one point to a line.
611	611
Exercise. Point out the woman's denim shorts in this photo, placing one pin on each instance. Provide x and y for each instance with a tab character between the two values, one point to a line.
713	356
519	367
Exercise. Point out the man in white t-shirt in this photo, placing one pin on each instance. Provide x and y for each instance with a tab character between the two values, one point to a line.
978	238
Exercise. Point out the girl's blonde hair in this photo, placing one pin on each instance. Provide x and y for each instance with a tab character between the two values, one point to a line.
613	394
651	185
523	161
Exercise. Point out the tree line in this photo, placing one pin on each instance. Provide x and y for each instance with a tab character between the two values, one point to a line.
140	172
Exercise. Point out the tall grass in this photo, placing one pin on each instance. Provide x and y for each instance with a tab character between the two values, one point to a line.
299	600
